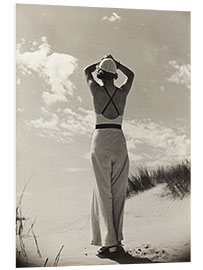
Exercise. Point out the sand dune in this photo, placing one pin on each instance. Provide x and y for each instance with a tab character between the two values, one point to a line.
156	229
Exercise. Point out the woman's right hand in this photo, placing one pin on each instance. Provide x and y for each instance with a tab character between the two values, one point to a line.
107	56
110	56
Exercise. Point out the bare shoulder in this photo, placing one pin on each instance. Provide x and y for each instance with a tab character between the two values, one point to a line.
93	85
126	87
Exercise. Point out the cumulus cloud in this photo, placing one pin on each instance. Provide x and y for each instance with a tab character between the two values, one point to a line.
48	125
50	98
113	18
81	123
30	61
70	112
65	126
55	68
155	142
180	74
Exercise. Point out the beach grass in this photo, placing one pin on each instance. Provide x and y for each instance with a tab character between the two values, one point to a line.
25	230
175	177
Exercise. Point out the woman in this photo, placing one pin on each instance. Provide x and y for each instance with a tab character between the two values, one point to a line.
109	154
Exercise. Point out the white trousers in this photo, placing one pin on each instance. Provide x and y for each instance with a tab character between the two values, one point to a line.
111	166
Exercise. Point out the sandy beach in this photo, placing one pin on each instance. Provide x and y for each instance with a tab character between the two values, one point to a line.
156	229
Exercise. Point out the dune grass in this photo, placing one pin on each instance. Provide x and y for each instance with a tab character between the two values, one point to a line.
21	231
175	177
24	230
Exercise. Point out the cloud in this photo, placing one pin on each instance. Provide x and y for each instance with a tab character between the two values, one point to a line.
18	81
55	68
76	169
79	99
87	155
50	99
64	127
148	142
30	61
80	123
154	143
113	18
48	125
179	74
162	88
133	157
20	110
70	112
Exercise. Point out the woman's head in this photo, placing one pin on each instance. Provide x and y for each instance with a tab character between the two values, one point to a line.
106	70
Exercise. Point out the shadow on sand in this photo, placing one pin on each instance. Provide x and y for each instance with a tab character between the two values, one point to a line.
124	257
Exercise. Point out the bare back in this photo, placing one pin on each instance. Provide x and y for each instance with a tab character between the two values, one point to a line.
101	99
109	100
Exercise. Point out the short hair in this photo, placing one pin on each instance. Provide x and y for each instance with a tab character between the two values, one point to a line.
101	74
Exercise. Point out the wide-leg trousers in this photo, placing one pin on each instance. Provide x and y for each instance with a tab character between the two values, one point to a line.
111	166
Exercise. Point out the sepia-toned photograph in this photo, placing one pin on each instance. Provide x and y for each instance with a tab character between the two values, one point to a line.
103	160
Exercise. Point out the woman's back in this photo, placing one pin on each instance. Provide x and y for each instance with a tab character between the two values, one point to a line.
109	101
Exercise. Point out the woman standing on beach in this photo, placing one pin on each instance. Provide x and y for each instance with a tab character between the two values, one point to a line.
108	154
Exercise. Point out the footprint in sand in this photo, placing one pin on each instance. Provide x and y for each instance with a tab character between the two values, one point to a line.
150	252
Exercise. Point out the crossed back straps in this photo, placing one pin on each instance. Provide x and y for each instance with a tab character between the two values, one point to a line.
110	101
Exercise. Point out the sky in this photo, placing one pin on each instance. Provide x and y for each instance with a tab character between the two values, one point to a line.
55	118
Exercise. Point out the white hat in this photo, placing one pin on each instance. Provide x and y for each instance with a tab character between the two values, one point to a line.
108	65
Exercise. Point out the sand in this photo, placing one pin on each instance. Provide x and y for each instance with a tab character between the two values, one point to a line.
156	229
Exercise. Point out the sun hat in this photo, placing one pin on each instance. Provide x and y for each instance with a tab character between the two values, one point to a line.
107	65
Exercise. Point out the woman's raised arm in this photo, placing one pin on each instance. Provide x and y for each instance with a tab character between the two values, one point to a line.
93	85
89	69
127	72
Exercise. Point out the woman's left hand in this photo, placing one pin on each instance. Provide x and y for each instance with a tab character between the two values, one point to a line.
110	56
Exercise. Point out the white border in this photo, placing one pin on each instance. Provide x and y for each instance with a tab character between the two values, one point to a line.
8	123
144	4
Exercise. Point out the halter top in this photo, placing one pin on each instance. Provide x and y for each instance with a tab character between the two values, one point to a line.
101	119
